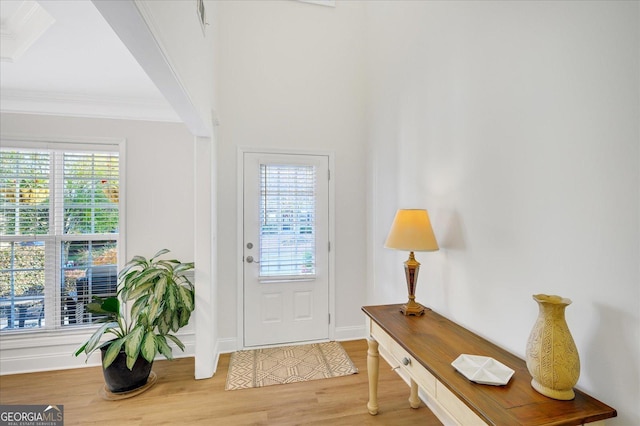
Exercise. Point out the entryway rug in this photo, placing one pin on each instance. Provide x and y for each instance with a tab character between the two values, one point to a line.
287	364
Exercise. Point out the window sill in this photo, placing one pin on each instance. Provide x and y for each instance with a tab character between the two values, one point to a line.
21	339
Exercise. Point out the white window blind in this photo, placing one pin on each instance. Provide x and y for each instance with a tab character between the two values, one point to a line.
59	216
287	220
24	192
91	192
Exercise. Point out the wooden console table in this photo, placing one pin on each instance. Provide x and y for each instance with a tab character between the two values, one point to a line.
424	347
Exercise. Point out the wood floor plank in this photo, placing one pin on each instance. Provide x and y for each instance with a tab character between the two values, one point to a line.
177	398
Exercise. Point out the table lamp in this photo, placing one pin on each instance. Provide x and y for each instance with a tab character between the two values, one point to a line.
411	231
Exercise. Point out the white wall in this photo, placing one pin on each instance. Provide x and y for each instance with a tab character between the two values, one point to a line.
516	125
159	214
290	77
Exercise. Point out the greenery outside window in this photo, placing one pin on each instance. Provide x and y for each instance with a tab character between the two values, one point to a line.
59	233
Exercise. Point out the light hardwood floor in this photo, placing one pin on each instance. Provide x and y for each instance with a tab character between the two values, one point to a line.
177	398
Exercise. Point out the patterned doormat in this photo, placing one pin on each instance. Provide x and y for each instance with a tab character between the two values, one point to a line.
287	364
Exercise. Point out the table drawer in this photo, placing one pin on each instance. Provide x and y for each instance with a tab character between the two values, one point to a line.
416	371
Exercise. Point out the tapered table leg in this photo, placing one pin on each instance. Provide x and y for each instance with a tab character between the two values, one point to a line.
414	400
373	363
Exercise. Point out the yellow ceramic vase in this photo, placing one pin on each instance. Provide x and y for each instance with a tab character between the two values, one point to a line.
552	356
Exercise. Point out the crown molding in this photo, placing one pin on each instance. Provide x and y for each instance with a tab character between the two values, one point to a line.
31	102
132	21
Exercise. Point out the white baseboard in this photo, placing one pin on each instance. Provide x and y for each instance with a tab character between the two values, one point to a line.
232	344
351	333
31	352
28	353
228	345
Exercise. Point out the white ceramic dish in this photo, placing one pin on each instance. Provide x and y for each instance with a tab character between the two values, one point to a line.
483	369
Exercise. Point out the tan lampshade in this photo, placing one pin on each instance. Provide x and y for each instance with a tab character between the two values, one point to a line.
411	231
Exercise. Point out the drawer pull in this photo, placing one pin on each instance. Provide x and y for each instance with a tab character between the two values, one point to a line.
405	361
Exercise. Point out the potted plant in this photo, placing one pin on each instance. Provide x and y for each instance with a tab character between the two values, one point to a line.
162	300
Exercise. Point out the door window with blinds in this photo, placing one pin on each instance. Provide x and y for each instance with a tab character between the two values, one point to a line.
287	221
59	232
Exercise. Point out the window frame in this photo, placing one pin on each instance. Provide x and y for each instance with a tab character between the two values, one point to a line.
52	299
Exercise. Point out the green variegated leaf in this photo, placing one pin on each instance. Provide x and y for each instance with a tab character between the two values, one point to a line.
186	298
171	297
131	361
146	276
166	316
163	326
143	321
148	348
159	253
81	349
139	305
167	321
184	317
166	264
163	347
137	261
133	341
139	290
93	341
160	288
112	352
176	341
175	322
154	309
184	267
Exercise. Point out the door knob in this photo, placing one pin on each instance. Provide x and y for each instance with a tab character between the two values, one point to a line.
250	260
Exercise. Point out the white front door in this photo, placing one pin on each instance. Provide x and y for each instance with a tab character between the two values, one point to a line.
286	245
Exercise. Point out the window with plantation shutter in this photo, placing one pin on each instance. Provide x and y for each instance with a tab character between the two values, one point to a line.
59	232
287	220
90	193
25	193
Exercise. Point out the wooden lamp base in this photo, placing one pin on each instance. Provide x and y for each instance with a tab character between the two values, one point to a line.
412	308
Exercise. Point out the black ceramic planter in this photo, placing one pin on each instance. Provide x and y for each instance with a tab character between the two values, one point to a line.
120	379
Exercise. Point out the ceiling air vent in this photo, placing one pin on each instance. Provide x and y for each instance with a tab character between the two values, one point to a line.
202	15
22	23
330	3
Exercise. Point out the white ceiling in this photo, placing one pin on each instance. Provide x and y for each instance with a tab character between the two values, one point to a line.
77	67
